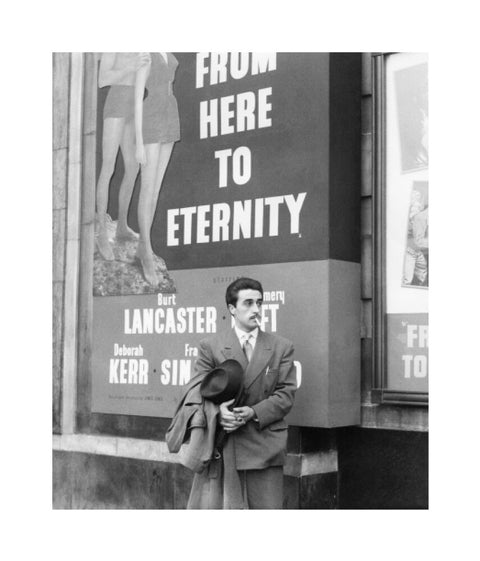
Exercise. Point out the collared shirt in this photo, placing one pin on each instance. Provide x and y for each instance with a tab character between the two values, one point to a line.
243	335
252	337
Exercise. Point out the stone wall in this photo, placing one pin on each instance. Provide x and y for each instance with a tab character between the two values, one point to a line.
382	469
61	73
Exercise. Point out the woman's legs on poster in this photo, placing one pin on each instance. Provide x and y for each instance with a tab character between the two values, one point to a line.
127	145
112	134
153	172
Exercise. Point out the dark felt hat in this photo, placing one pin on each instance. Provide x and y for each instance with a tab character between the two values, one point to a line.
223	383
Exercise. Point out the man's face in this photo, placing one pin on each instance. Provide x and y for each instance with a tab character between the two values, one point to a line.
247	309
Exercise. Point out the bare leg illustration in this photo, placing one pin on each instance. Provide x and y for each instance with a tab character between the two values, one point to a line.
112	133
153	172
124	232
117	70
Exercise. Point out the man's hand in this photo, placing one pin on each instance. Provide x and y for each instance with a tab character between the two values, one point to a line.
244	414
229	420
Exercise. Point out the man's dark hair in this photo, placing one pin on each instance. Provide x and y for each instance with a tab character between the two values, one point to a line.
243	283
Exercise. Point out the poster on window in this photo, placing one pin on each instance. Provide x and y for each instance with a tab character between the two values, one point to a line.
407	210
415	266
412	106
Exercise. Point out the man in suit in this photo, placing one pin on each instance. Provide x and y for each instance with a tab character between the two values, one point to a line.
257	432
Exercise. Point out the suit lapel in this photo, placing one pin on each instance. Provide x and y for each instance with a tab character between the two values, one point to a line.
232	349
261	355
260	358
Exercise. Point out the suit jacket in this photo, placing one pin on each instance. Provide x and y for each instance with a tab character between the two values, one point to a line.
270	385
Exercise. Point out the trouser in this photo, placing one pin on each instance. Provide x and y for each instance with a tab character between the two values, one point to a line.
256	489
263	488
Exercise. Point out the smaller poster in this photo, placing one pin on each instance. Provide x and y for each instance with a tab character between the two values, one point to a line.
415	266
412	107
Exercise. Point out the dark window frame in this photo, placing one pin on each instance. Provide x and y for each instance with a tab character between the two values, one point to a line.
380	392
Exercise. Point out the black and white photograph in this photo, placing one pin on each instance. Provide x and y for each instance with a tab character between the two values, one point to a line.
230	285
415	268
220	309
412	100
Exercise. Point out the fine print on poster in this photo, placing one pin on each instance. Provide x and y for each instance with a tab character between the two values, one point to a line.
208	168
407	259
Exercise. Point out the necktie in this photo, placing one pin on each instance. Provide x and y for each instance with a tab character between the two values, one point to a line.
247	348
